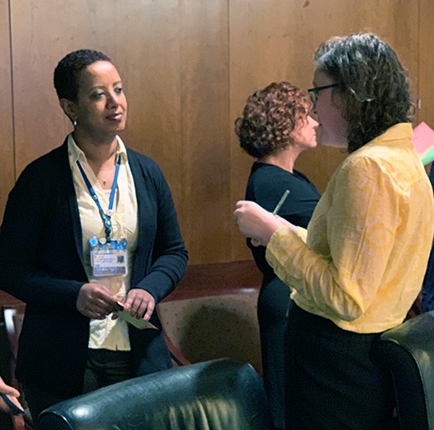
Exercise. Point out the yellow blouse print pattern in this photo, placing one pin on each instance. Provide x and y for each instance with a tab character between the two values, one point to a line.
368	241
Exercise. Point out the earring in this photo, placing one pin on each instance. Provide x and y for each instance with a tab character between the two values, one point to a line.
74	123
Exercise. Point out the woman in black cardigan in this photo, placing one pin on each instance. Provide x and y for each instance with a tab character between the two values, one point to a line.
72	339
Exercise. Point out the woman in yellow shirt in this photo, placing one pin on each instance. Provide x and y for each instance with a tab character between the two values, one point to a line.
359	266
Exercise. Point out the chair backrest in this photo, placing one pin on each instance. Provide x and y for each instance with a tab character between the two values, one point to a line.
209	324
212	313
221	394
407	352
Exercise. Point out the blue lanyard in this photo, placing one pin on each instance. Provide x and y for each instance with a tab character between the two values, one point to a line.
106	217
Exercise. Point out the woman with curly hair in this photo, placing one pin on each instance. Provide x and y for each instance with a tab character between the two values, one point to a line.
361	265
274	129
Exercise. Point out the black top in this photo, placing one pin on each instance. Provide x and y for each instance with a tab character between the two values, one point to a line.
266	185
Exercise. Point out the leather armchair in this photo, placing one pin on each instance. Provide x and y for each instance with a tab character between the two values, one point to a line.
222	394
407	353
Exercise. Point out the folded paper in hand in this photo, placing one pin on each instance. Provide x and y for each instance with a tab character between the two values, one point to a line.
138	323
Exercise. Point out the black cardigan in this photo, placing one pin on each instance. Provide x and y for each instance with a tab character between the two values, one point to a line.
41	262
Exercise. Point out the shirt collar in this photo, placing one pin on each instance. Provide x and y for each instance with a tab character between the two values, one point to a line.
75	153
403	130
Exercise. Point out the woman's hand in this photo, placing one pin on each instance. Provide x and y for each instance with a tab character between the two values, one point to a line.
13	396
95	301
257	223
140	304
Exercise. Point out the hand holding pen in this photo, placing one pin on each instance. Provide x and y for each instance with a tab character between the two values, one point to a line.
257	223
255	242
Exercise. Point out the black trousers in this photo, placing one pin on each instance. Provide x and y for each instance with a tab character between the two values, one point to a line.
272	308
103	368
330	381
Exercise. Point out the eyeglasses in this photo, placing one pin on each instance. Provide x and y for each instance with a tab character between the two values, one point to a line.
313	92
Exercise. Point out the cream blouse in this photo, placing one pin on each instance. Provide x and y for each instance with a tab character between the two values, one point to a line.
108	334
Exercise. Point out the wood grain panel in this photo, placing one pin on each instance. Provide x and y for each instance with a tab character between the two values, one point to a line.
206	155
149	61
275	41
39	40
6	107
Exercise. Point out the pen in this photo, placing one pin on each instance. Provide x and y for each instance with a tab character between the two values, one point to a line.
281	201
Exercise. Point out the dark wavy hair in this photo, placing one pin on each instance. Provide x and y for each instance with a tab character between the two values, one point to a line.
372	82
68	69
269	118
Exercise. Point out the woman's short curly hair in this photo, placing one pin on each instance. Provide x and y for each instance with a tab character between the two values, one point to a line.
269	118
372	82
69	68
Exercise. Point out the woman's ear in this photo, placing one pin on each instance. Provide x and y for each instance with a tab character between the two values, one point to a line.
337	100
70	109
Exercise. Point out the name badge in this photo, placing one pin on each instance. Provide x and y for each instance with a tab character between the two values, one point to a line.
108	258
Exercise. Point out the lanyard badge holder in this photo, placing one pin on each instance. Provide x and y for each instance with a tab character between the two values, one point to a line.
108	257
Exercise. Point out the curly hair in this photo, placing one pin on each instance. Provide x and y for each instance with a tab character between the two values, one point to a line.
69	68
269	118
371	81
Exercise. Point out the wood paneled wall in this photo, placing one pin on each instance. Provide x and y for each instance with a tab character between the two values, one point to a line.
7	162
188	67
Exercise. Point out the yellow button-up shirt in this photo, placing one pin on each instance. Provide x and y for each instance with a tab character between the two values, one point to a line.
364	258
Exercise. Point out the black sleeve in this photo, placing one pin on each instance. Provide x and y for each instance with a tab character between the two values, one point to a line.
169	256
29	240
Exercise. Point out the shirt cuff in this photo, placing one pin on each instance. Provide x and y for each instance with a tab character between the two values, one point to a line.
285	233
281	245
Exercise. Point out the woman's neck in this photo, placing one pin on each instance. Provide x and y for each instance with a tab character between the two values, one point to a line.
98	154
284	159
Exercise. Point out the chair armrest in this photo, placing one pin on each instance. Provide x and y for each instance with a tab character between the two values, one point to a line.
177	358
175	354
406	352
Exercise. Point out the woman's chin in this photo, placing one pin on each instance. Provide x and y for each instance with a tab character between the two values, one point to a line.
332	141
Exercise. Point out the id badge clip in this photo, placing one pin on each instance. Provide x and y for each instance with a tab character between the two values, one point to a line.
108	258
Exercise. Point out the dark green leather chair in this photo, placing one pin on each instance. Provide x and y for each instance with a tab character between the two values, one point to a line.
221	394
407	353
